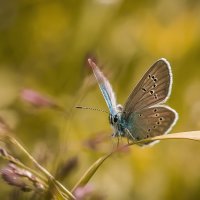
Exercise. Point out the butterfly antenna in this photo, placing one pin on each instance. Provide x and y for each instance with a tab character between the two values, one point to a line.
95	109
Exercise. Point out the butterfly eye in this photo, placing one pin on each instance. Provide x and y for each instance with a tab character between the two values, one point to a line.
115	118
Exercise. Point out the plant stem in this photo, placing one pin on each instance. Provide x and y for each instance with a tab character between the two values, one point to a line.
42	169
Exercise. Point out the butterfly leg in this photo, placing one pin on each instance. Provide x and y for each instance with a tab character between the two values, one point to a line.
117	142
127	140
129	134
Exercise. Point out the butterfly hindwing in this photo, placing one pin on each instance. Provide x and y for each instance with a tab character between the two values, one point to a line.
151	122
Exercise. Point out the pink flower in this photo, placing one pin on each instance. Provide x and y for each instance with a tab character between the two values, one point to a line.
36	99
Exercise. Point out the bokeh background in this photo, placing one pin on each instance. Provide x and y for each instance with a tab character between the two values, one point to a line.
44	46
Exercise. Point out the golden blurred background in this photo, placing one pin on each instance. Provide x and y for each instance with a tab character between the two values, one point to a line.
44	46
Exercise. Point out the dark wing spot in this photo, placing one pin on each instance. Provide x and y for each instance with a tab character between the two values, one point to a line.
149	130
155	79
154	85
144	89
156	114
158	123
154	126
149	75
155	110
151	91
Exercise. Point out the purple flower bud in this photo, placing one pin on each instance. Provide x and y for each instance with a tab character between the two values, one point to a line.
82	192
8	174
36	99
20	178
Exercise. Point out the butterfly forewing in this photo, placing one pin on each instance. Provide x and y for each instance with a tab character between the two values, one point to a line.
151	122
105	88
153	88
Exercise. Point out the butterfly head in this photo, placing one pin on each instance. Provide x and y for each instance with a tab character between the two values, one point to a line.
117	122
115	118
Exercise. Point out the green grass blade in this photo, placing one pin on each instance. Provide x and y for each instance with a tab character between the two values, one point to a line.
90	172
190	135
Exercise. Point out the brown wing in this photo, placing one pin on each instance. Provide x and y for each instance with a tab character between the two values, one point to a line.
151	122
153	88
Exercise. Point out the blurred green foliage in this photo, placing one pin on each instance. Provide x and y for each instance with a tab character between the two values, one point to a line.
44	46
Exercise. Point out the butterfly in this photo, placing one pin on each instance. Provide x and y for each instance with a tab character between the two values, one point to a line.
143	114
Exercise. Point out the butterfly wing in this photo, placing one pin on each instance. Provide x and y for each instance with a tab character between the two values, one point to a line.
153	88
151	122
142	112
105	88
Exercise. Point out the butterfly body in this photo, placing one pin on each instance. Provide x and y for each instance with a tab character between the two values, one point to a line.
119	124
143	114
